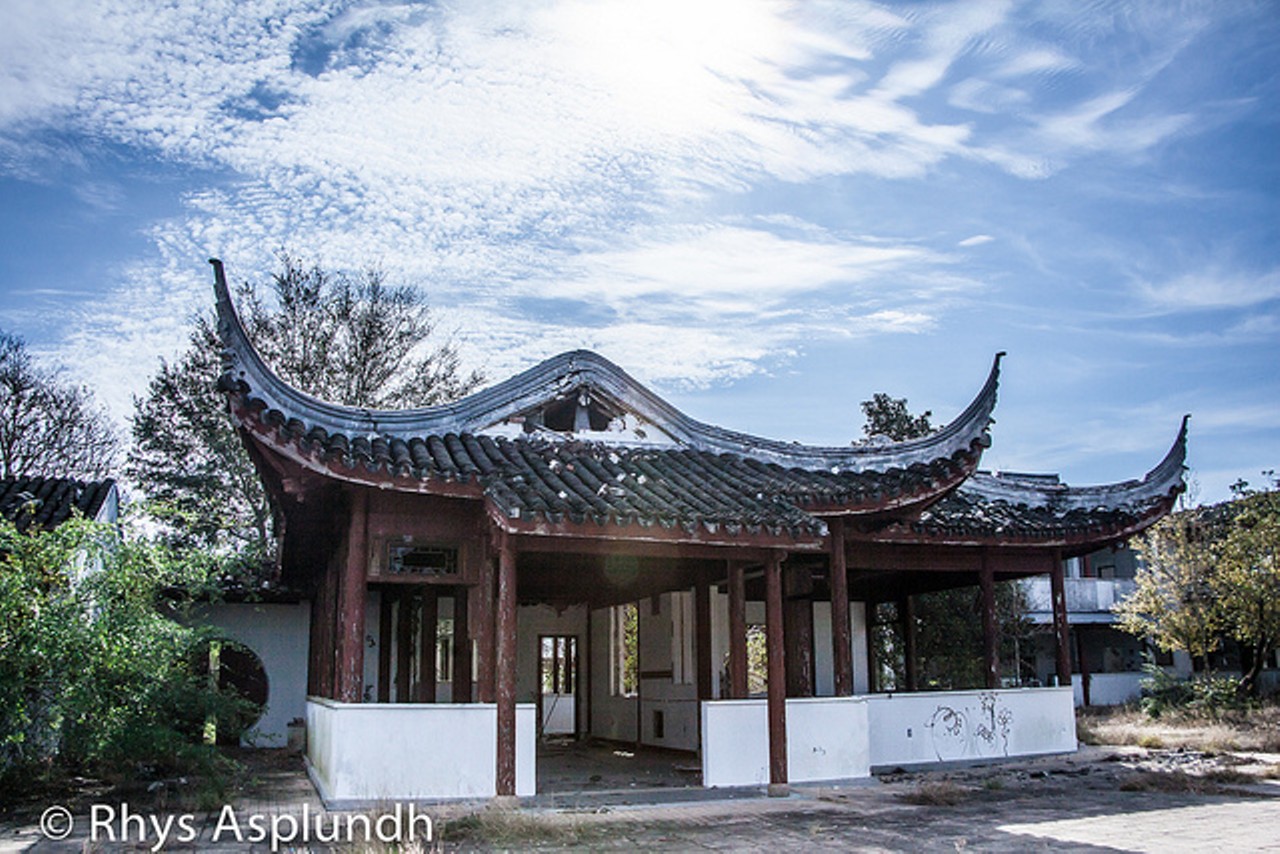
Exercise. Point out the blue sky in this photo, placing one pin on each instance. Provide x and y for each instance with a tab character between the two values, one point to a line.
766	210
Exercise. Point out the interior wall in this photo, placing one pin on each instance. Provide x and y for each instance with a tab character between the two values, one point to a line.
611	717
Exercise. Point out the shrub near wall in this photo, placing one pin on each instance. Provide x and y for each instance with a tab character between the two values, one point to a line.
95	674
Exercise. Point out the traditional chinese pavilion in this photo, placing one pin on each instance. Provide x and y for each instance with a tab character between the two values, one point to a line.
527	516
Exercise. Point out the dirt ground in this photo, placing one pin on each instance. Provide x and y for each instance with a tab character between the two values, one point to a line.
1101	798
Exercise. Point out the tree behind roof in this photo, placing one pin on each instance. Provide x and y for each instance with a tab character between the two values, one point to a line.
49	427
352	340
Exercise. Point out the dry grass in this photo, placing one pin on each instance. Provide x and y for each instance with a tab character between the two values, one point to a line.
1256	730
936	793
511	828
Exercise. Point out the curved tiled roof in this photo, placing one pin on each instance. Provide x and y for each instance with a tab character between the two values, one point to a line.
47	502
701	479
1039	509
246	373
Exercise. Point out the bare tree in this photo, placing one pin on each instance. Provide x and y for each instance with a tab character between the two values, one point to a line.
49	426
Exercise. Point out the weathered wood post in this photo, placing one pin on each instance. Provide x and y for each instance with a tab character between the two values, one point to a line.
841	642
777	667
737	631
1061	631
351	603
505	683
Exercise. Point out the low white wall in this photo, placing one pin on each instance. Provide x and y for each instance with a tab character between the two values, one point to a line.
363	752
826	740
1108	689
279	636
948	726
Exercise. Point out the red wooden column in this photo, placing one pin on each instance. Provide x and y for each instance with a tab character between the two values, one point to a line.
841	642
351	603
384	645
404	645
505	681
777	668
702	637
428	626
461	646
990	639
484	599
908	613
1061	631
737	632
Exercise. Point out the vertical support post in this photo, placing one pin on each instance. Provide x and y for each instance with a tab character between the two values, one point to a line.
841	643
428	628
873	660
384	645
461	646
351	604
1061	631
777	667
404	645
584	674
1084	667
990	638
907	609
505	683
702	636
737	632
485	620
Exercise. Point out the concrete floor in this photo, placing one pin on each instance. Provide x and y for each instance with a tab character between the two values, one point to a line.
569	766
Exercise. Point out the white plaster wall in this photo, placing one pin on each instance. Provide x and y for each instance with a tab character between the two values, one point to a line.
611	717
279	635
365	753
827	739
858	630
676	701
1108	689
946	726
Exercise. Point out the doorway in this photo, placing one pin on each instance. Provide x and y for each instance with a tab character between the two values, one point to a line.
557	681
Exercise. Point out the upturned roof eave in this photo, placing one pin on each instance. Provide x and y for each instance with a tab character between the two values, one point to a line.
245	372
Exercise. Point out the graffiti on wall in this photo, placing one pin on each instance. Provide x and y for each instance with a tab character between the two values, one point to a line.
963	732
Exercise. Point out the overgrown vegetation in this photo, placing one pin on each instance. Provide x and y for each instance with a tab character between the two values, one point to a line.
1210	576
98	676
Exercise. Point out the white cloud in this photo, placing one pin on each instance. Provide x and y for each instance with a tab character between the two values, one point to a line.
976	240
1211	288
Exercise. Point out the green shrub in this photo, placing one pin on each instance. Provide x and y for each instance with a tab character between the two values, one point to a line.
96	672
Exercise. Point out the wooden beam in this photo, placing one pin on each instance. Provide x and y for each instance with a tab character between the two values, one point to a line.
385	598
1061	630
351	604
841	642
461	645
428	630
505	683
990	636
737	632
777	666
